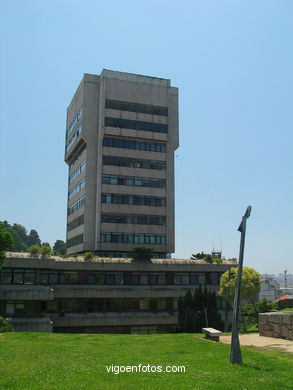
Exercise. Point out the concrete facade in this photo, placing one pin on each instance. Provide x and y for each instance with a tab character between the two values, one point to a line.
122	131
101	295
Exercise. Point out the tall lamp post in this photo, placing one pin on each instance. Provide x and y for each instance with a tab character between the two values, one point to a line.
235	353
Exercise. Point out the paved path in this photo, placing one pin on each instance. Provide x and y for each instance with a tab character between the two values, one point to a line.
256	340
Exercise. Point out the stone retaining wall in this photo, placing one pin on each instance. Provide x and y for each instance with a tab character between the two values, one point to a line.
279	324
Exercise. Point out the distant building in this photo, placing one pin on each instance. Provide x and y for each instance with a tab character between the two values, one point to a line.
104	295
269	289
121	134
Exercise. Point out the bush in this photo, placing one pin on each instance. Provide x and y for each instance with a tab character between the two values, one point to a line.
45	250
34	250
142	253
5	326
88	255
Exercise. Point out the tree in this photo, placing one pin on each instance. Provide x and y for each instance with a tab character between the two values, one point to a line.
142	253
59	247
250	284
33	238
6	242
45	250
34	250
198	310
202	256
46	244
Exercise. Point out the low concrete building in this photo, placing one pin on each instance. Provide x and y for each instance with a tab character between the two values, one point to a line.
102	295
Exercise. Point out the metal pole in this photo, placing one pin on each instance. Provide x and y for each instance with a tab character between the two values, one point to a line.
235	353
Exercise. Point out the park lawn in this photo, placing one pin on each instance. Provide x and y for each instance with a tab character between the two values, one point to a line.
50	361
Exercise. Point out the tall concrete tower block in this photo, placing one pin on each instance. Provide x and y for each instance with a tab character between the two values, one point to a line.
121	134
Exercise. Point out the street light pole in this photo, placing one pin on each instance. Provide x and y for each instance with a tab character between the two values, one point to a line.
235	353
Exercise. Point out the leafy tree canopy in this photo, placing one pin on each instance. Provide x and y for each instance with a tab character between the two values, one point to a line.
250	283
6	242
142	253
33	238
59	247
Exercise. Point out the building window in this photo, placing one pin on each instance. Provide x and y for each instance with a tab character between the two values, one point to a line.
136	107
75	223
73	138
192	278
136	200
76	118
133	181
95	277
213	278
134	219
15	308
77	156
6	275
125	143
114	278
133	238
17	276
75	190
136	125
49	277
68	277
74	241
77	172
144	304
76	205
134	163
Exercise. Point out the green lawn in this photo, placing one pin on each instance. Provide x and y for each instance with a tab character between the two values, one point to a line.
42	361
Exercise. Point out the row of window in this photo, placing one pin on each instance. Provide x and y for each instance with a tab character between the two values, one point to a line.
73	138
136	107
28	276
134	200
94	305
133	238
136	145
74	121
136	125
74	241
133	162
134	219
78	155
77	172
133	181
75	190
76	205
75	223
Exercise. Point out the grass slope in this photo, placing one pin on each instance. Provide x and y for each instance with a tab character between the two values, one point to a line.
42	361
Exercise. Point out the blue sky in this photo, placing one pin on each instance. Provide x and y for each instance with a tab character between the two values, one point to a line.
232	62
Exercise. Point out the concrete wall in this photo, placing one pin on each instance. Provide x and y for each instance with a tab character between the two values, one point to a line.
278	324
32	324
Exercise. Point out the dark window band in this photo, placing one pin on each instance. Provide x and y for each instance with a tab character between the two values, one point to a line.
125	143
133	181
134	162
136	107
136	200
136	125
134	219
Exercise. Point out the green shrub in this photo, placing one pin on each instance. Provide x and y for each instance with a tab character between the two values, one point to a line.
88	255
5	326
142	253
